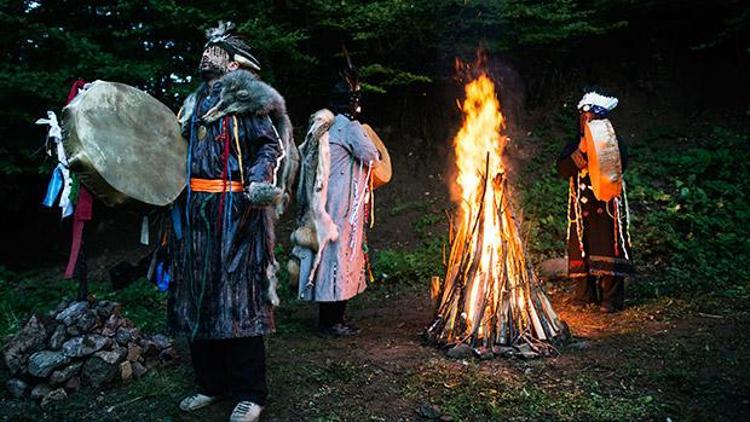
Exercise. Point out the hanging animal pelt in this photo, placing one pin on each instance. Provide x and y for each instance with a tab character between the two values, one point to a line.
244	93
315	226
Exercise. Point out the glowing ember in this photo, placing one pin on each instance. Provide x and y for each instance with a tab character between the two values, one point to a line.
490	296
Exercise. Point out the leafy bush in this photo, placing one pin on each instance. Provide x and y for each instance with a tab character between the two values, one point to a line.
690	212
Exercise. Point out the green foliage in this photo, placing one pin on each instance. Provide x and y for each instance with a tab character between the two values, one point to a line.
156	45
142	302
410	266
22	295
487	397
690	212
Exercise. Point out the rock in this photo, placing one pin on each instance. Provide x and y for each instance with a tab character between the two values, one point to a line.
61	306
32	338
97	372
111	325
124	336
73	384
169	355
16	387
71	314
40	391
85	345
64	374
429	411
554	268
126	371
105	309
483	353
57	338
524	351
161	341
503	351
113	356
53	396
87	321
460	351
138	369
150	350
73	331
41	364
134	352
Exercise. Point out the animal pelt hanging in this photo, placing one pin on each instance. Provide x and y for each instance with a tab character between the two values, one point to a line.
315	227
243	92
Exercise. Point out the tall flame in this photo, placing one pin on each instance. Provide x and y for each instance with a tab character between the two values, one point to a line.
490	295
479	135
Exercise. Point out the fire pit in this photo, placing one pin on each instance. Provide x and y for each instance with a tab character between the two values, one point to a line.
490	301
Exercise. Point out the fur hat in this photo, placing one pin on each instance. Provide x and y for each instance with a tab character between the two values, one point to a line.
597	103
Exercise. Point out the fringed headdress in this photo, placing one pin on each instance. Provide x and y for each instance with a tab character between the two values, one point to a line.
237	48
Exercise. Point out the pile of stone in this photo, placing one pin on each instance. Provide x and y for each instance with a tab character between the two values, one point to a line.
80	344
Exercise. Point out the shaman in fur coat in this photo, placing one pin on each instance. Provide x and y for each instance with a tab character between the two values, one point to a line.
328	257
222	244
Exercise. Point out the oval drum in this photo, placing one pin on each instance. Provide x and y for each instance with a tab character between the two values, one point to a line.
604	166
125	145
382	173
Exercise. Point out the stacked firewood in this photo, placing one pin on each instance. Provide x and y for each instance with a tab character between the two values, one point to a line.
491	301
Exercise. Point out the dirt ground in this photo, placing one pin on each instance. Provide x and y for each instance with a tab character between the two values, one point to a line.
666	360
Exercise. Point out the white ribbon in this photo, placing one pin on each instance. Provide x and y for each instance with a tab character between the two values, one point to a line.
55	134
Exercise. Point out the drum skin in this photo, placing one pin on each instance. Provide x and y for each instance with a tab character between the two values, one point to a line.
381	174
125	145
604	165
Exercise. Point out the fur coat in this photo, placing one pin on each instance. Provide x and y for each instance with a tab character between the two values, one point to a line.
223	265
328	257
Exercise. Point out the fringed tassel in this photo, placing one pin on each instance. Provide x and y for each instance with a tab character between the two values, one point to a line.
359	197
627	211
577	213
615	226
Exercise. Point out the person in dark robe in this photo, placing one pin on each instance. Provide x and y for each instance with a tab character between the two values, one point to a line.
598	241
223	285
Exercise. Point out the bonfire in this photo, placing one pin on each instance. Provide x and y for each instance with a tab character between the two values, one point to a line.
490	299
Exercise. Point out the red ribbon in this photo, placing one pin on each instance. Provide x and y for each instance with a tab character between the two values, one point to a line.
84	206
83	213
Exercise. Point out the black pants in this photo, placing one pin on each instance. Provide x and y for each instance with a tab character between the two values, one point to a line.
331	313
609	291
234	367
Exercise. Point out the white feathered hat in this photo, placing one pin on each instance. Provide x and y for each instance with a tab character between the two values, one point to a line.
595	100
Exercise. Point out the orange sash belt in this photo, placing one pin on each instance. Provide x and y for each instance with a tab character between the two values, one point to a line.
214	185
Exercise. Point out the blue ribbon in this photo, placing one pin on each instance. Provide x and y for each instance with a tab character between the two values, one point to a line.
162	277
53	188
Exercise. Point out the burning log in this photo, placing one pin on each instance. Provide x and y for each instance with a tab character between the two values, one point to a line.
490	299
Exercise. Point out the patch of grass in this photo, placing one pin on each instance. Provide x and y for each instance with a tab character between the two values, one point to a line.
402	207
22	295
415	265
473	394
142	302
690	209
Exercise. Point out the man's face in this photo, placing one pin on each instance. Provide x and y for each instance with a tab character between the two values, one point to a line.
214	62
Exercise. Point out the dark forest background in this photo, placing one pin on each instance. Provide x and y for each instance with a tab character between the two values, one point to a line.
673	62
681	70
